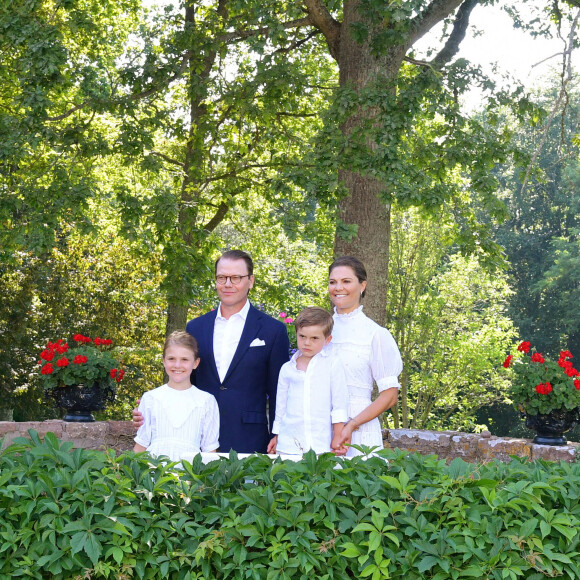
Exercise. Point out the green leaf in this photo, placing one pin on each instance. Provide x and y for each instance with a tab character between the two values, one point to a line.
427	563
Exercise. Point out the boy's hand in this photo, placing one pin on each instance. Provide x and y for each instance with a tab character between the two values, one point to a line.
345	435
272	445
337	444
137	416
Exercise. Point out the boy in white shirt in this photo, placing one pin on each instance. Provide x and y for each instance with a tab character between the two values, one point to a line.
312	396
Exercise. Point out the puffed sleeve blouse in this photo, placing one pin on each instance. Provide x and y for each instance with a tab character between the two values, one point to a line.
368	351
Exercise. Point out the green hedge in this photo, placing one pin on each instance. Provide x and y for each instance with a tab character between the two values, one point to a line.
74	513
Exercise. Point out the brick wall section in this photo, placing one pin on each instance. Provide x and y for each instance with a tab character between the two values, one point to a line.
472	447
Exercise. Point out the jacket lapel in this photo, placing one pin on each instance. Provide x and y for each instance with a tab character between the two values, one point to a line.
208	336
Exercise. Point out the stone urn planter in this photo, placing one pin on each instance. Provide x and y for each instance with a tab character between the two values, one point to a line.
80	400
550	428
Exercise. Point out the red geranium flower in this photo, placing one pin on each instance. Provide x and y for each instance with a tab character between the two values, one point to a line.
47	369
80	359
506	362
120	376
524	346
537	357
61	348
571	372
47	354
62	362
565	354
544	388
577	384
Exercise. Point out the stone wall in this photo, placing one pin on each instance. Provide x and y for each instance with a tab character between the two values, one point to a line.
472	447
117	435
476	447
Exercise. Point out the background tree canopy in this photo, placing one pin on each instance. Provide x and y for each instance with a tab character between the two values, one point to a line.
137	142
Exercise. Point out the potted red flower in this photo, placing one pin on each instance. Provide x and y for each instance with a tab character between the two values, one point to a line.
80	377
545	391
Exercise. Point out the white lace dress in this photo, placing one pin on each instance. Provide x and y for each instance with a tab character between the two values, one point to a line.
368	352
178	424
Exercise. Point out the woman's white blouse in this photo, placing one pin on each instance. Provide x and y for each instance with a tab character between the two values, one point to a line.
368	353
178	423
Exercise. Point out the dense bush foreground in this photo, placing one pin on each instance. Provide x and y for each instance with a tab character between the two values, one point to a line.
74	513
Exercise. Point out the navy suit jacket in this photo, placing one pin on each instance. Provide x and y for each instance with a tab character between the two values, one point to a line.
250	384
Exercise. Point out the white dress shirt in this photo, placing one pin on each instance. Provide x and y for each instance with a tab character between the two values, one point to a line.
226	337
309	402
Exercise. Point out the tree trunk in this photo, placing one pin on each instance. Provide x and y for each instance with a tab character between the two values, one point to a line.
176	318
360	67
192	234
364	206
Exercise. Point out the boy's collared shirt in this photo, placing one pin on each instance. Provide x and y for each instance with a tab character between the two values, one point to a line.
309	402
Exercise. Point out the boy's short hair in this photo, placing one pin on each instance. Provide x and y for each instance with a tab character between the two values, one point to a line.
182	338
315	316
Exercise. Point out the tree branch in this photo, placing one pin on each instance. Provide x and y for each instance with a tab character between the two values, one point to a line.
320	17
298	42
243	34
238	35
135	96
69	112
182	68
418	62
460	25
567	76
236	172
432	15
168	159
218	217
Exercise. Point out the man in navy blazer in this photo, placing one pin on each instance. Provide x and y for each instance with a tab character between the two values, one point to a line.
241	351
244	383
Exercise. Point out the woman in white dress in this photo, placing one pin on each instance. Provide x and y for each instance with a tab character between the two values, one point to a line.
368	352
180	420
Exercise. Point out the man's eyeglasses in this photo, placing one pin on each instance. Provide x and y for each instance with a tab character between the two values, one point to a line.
235	280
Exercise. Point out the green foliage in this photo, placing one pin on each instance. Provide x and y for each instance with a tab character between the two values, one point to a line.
97	285
71	512
540	235
448	316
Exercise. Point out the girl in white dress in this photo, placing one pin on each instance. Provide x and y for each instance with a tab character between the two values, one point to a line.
180	420
368	353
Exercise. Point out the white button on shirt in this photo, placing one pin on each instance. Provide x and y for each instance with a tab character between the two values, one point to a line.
226	337
309	402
